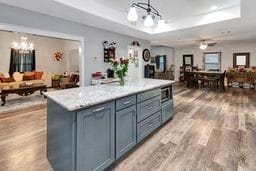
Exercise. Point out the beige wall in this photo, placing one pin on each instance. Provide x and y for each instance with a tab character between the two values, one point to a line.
44	46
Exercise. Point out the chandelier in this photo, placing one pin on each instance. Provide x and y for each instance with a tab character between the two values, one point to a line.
24	46
151	14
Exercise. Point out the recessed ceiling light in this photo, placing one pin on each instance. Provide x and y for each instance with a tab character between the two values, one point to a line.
213	8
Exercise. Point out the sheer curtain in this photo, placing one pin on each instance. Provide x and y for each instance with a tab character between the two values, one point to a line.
21	62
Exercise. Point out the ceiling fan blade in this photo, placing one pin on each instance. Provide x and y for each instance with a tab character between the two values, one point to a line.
211	44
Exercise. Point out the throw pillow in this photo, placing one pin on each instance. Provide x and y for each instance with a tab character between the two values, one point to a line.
73	78
1	76
29	76
6	75
17	76
8	80
38	75
56	77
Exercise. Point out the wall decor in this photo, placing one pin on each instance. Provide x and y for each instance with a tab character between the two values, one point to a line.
146	55
133	55
135	43
109	51
188	60
241	59
58	56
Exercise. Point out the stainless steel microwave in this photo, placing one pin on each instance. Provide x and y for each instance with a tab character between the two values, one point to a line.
166	94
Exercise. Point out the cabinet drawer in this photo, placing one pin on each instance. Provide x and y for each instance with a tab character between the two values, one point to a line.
125	102
148	107
147	126
167	110
147	95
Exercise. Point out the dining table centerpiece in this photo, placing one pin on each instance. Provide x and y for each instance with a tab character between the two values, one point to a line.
120	68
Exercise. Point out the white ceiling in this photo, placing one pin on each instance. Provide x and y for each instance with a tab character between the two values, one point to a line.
188	20
184	14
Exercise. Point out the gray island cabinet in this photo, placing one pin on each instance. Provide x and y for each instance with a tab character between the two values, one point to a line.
89	128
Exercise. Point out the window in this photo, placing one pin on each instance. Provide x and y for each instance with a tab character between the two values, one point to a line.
161	63
212	61
21	62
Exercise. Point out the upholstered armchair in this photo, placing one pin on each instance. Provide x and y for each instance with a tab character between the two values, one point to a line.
47	78
69	82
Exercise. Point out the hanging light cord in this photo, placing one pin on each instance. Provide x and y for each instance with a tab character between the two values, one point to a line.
148	7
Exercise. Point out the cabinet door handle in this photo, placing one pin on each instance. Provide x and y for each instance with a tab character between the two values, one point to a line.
98	110
125	103
150	125
150	107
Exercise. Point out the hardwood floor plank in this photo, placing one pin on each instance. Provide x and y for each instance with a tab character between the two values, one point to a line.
227	154
252	150
206	133
153	161
211	148
243	154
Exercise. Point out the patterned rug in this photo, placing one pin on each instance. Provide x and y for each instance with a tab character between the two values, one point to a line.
15	102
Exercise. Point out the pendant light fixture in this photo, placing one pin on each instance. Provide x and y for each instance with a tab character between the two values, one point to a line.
160	24
151	14
148	22
132	14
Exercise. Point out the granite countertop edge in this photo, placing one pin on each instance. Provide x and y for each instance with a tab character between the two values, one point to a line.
54	96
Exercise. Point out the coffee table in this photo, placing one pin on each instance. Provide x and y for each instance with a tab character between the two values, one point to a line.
21	90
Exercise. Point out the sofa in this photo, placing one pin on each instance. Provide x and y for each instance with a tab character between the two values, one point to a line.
35	77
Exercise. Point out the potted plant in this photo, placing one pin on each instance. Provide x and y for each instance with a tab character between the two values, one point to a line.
120	68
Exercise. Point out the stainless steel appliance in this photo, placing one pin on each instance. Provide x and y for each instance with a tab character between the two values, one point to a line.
166	94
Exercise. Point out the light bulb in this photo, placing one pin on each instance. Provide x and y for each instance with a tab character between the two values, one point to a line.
160	24
31	46
15	45
148	21
23	38
23	45
132	14
203	46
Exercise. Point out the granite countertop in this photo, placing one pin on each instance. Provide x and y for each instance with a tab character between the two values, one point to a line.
77	98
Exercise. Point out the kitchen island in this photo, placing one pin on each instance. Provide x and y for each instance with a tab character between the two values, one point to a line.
88	128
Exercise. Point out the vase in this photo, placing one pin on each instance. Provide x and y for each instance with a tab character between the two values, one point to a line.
121	81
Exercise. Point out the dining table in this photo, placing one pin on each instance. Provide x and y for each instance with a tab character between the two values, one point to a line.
191	75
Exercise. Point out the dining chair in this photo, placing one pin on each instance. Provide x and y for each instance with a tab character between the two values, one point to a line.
221	81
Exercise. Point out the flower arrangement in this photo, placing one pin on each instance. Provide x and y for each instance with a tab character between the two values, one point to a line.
120	68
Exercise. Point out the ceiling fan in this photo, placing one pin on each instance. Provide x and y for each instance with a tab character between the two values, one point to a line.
204	44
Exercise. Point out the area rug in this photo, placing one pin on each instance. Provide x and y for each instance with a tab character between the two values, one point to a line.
15	102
